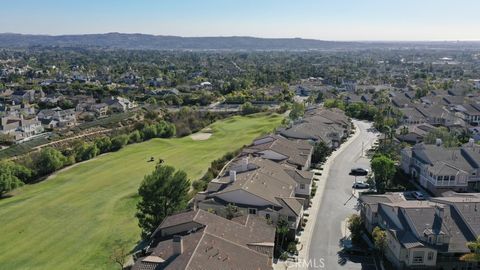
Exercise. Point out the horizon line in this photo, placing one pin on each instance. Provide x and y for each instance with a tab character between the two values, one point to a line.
245	36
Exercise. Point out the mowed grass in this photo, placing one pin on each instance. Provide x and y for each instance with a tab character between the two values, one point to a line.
71	220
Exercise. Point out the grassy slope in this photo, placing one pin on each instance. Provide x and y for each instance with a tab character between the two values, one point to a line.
69	221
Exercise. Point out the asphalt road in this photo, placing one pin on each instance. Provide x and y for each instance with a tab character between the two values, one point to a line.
337	204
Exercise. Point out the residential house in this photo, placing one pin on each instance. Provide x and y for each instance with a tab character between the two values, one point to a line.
27	96
295	153
120	104
57	118
437	115
164	92
413	133
351	98
25	109
198	239
257	186
411	116
52	99
469	112
424	234
318	124
100	109
20	128
439	169
401	101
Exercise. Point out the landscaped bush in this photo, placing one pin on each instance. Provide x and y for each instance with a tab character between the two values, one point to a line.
85	151
48	161
118	142
135	137
103	144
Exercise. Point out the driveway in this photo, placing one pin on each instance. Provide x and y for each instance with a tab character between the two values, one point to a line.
337	202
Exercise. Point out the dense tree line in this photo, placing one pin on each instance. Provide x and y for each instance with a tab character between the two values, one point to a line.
37	165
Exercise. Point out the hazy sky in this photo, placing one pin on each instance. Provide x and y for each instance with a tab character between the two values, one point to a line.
319	19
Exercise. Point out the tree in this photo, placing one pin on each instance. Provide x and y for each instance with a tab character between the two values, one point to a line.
11	176
383	169
298	109
149	131
355	225
162	193
49	160
86	151
282	230
319	97
119	252
379	239
103	144
135	137
474	255
248	108
448	138
151	100
320	152
231	211
118	142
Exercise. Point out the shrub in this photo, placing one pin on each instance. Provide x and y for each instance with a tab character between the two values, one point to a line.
103	144
48	161
118	142
135	137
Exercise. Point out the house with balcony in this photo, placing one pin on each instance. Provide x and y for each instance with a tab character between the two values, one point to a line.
425	234
439	169
20	128
57	118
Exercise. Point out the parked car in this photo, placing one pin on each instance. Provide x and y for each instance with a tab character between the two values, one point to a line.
360	185
358	171
418	195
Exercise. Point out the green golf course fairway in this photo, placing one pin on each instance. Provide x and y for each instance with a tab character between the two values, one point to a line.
71	220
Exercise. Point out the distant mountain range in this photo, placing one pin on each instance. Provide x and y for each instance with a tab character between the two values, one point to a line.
152	42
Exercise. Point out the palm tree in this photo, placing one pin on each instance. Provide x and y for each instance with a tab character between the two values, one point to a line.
474	255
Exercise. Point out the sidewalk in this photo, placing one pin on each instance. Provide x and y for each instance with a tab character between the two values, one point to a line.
305	236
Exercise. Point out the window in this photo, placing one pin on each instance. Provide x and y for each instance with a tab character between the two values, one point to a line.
267	216
430	239
430	256
452	177
417	257
302	186
440	178
290	218
252	211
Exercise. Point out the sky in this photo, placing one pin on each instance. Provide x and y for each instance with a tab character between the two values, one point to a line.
318	19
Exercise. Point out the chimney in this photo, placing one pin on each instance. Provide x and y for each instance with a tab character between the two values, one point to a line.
438	142
440	211
471	142
233	176
177	245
